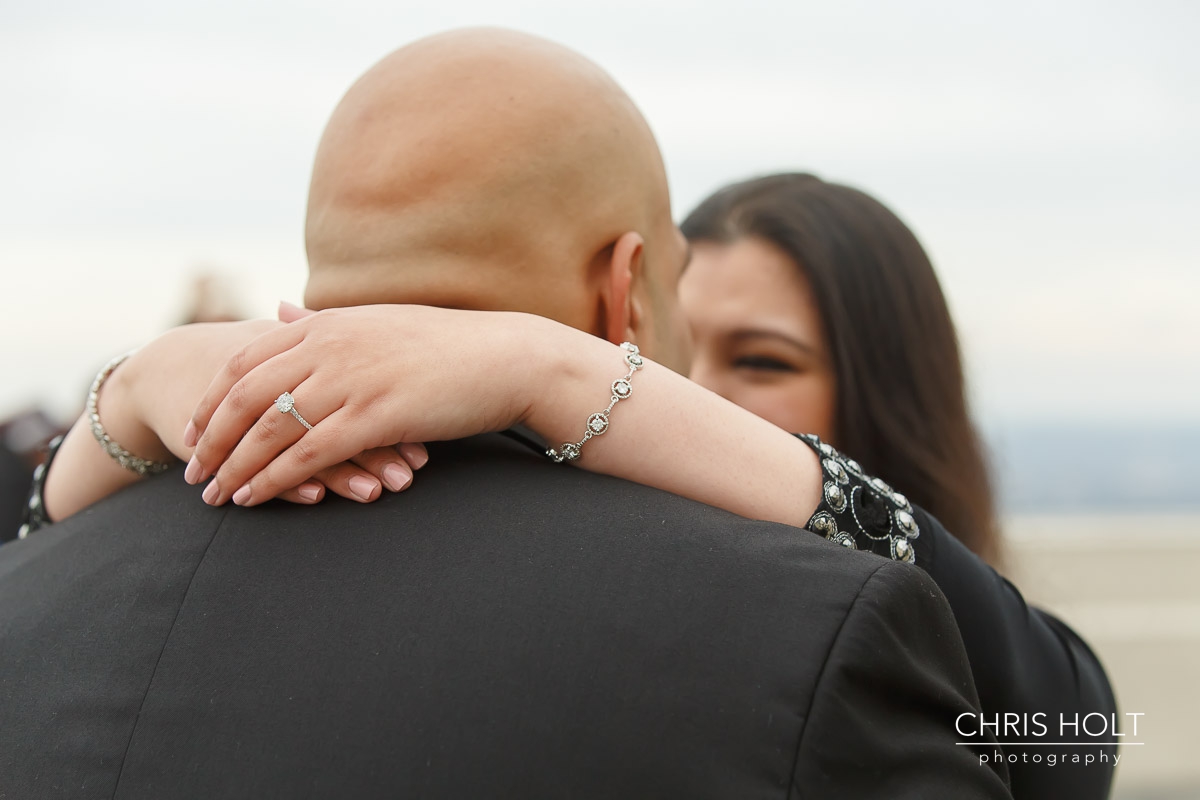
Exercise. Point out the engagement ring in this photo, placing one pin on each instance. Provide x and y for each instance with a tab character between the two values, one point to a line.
287	405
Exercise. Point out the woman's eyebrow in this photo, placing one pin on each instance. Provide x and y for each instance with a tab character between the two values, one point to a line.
742	334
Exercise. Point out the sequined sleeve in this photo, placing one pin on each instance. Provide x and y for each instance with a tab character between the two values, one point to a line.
1024	660
861	512
35	509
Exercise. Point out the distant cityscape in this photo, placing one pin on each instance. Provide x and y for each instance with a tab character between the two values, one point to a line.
1043	468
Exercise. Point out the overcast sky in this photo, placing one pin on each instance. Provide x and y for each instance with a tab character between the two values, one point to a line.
1045	153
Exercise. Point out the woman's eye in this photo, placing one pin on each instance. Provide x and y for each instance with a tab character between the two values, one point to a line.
763	363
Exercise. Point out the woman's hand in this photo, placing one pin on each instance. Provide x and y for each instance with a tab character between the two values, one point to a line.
146	401
364	378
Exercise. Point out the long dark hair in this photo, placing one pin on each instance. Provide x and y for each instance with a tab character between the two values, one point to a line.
901	407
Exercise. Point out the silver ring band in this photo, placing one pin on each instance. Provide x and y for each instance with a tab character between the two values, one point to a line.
286	404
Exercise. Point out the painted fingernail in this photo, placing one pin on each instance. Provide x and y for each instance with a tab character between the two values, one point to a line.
189	435
414	454
211	493
396	477
241	495
310	492
193	472
362	487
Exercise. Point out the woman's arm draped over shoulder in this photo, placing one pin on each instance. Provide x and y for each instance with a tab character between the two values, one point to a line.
430	374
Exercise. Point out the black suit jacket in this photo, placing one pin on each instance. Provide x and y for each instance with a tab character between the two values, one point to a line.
506	628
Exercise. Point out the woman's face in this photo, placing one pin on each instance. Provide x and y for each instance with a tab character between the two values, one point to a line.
757	335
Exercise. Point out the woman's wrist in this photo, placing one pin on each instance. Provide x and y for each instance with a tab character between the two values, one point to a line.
122	404
670	433
82	472
572	378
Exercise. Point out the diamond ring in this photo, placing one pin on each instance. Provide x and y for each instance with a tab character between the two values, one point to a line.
287	405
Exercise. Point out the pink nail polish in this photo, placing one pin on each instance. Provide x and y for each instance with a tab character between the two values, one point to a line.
211	493
310	492
396	477
193	472
241	495
414	455
189	435
361	487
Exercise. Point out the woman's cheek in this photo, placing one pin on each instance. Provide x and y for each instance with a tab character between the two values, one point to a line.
798	406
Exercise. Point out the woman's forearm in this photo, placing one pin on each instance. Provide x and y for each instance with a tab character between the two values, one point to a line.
671	433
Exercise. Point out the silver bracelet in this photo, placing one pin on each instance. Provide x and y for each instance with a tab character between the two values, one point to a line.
597	423
119	454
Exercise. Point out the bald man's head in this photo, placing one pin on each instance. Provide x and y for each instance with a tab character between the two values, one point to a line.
493	170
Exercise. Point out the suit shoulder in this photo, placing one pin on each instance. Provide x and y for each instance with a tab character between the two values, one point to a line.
892	580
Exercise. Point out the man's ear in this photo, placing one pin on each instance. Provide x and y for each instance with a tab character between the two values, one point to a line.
623	311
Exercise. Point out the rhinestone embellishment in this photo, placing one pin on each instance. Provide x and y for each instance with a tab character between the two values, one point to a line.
622	389
907	524
597	423
836	470
844	539
824	524
835	497
890	533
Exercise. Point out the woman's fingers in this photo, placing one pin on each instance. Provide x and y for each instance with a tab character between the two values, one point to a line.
414	453
346	479
289	312
306	494
360	479
267	462
258	352
272	433
251	409
388	465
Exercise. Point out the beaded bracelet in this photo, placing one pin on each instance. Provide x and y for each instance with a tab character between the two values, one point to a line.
119	454
597	423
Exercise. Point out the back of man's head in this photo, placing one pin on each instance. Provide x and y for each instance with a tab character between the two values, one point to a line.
487	169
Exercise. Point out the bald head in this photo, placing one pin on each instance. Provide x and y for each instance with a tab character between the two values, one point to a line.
482	169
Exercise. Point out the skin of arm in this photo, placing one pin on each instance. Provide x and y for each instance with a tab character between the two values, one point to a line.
434	374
